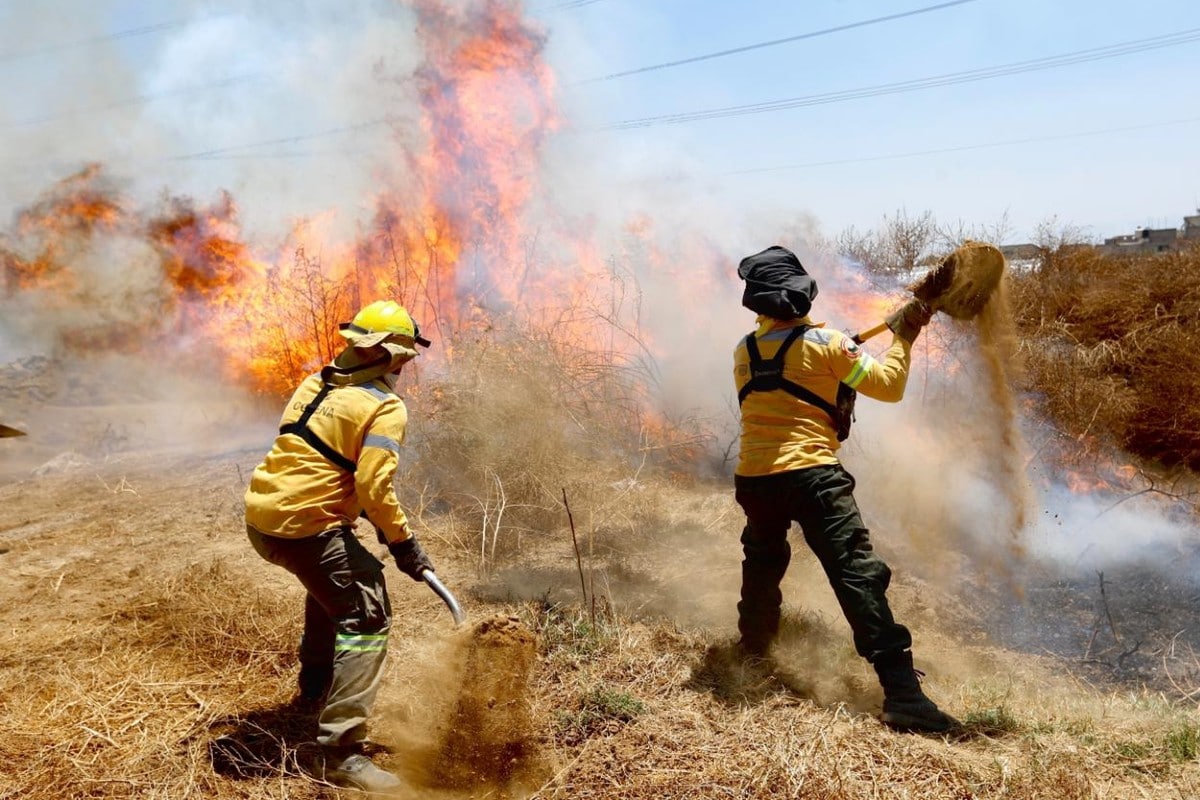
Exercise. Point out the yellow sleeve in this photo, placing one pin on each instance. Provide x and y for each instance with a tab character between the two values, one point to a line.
878	379
376	474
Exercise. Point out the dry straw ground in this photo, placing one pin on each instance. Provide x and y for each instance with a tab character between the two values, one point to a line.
147	652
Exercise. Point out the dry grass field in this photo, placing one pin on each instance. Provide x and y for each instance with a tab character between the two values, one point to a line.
147	652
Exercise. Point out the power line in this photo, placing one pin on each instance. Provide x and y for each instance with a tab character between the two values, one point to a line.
964	148
134	101
949	79
223	151
130	33
567	5
225	154
774	42
282	155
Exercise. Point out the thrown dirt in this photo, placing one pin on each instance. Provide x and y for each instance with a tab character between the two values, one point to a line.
482	738
490	733
997	340
965	281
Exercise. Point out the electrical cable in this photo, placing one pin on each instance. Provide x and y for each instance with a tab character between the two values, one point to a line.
134	101
221	151
964	148
108	37
1081	56
948	79
571	4
774	42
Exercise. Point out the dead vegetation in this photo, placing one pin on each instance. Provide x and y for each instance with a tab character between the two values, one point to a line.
524	418
149	653
1112	348
1106	347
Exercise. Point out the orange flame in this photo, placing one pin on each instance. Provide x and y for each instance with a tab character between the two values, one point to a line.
73	209
456	240
451	243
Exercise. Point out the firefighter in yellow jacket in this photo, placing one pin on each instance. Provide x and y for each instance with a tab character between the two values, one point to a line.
335	460
796	381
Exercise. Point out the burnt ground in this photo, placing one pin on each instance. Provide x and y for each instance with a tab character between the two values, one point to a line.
1136	625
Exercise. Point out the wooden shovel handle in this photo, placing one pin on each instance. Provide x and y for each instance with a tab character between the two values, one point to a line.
862	336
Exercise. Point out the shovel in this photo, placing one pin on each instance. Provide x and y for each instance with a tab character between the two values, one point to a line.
960	286
433	581
441	591
7	432
439	588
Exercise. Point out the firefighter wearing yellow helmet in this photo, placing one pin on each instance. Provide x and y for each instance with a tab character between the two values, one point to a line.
333	461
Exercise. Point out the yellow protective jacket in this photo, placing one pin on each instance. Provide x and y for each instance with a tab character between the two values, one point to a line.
780	432
298	492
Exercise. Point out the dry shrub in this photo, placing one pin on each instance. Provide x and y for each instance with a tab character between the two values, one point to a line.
1112	345
522	416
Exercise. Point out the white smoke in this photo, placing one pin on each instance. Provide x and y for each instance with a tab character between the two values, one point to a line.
290	106
300	108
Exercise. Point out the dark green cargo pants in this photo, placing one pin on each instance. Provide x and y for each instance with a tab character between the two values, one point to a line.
346	619
821	499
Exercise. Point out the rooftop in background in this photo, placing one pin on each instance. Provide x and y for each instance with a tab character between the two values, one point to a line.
1142	240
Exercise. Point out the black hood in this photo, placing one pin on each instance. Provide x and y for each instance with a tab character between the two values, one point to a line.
776	284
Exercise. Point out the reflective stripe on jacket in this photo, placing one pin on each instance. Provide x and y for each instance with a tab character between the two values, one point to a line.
781	432
297	492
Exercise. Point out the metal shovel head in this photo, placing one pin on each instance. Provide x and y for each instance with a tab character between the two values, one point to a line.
964	282
7	432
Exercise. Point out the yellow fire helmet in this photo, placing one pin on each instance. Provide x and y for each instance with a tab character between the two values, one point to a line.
383	321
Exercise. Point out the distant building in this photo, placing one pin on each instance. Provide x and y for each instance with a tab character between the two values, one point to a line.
1021	257
1140	242
1155	240
1143	240
1020	252
1191	229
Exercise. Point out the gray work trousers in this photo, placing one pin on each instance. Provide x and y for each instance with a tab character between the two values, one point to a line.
346	619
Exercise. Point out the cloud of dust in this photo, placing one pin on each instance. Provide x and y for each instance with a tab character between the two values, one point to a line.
465	725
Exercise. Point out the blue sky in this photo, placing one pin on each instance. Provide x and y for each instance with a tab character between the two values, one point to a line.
1113	140
1107	182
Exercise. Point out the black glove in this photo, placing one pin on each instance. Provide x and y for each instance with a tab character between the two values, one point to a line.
907	321
410	558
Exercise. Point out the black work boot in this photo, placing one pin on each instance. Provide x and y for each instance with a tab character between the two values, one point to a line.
349	768
905	706
750	648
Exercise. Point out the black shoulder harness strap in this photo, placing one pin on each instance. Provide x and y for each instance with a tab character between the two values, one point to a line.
300	428
766	375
